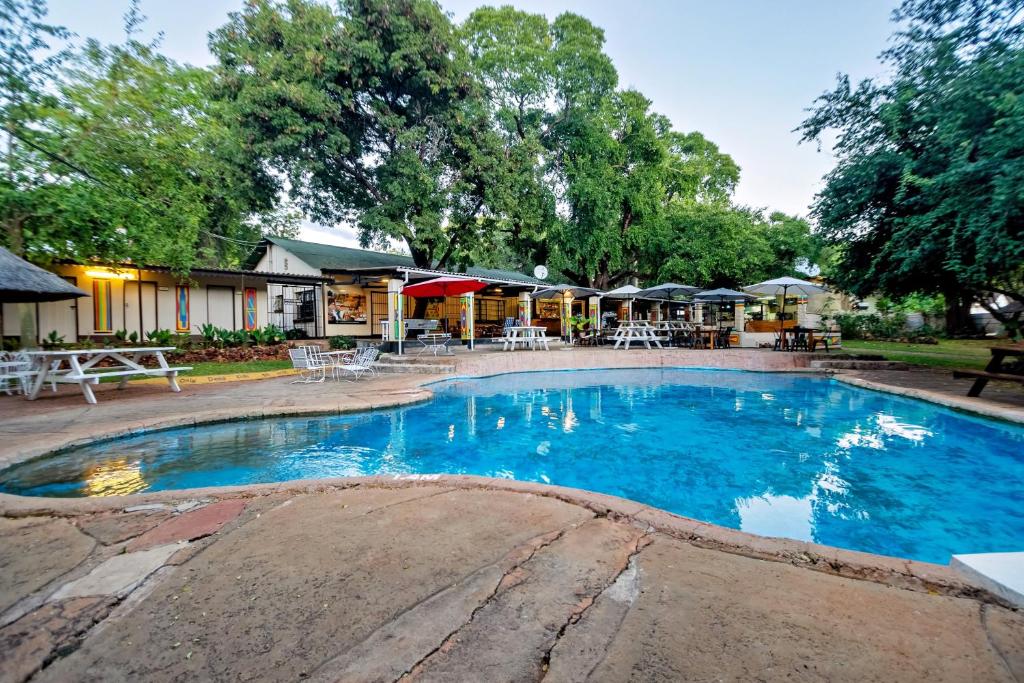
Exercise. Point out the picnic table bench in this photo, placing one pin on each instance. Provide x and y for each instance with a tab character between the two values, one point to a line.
83	369
993	370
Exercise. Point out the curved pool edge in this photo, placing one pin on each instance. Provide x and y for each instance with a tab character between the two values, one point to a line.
889	571
966	404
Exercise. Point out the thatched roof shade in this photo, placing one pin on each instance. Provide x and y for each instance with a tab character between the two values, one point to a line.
22	282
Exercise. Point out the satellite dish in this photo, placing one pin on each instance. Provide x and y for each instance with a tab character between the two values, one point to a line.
540	272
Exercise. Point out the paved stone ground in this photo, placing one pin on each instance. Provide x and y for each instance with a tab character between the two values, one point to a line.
448	583
457	580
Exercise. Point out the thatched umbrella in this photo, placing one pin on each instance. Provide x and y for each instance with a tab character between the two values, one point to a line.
21	283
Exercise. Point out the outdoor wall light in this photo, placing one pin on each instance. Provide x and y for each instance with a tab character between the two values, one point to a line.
106	273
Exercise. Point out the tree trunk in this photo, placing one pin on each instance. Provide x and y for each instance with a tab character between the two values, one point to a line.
958	311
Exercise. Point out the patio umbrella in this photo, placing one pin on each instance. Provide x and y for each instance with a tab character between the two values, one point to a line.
721	295
21	282
628	292
559	291
443	286
782	285
668	290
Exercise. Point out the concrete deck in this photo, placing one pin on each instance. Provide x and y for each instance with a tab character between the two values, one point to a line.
453	582
455	579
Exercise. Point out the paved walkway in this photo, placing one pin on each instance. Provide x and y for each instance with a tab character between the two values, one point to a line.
439	583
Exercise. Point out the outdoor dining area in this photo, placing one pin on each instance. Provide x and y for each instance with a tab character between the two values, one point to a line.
667	315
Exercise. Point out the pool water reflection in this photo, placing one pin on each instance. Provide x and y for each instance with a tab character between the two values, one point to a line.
782	455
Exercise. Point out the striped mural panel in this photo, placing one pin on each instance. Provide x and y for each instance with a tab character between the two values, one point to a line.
181	319
102	311
249	320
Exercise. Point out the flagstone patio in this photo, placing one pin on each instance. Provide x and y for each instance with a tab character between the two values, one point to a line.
459	578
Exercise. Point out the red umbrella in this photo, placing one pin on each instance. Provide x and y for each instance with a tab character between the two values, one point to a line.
443	286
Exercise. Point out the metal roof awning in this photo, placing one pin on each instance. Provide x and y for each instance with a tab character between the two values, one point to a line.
468	276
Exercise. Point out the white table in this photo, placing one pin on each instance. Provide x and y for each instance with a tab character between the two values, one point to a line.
533	336
437	342
628	333
82	367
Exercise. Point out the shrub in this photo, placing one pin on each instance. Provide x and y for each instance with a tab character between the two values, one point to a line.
209	334
341	343
159	337
296	333
53	340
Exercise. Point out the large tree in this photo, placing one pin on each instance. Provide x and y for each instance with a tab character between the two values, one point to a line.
127	158
27	64
370	114
595	169
928	191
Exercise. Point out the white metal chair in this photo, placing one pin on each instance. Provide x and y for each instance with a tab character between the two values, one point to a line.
311	368
361	363
19	378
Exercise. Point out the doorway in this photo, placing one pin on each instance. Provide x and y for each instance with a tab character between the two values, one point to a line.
140	307
220	306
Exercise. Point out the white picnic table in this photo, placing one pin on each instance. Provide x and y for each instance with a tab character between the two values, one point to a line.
82	367
533	336
634	331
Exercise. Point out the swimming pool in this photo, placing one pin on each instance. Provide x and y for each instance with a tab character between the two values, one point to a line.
774	454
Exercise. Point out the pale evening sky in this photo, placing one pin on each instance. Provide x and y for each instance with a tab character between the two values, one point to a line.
740	71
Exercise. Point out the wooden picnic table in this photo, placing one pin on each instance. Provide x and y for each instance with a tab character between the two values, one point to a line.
83	367
994	369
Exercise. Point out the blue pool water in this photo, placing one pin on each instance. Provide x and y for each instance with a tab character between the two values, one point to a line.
780	455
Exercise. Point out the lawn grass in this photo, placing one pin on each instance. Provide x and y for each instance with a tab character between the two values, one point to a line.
217	368
948	353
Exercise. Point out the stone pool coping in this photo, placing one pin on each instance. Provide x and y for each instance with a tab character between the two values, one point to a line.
890	571
887	570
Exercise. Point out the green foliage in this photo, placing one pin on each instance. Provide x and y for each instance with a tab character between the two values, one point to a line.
127	145
368	111
53	340
340	342
271	334
209	333
159	337
717	245
295	333
927	192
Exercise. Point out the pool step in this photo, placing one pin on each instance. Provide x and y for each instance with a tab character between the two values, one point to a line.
429	365
859	365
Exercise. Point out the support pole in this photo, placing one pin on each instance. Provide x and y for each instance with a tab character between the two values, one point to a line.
525	313
466	317
396	316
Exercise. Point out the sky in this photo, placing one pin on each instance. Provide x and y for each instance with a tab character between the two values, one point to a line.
742	72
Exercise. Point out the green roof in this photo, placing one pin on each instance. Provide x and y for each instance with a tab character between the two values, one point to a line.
328	257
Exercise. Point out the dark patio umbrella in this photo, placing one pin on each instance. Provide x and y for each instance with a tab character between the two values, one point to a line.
668	290
722	295
22	282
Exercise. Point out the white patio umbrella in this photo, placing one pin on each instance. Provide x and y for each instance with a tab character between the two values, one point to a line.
782	285
627	292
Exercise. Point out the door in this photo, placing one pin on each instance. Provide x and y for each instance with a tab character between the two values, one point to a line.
140	307
61	316
220	306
